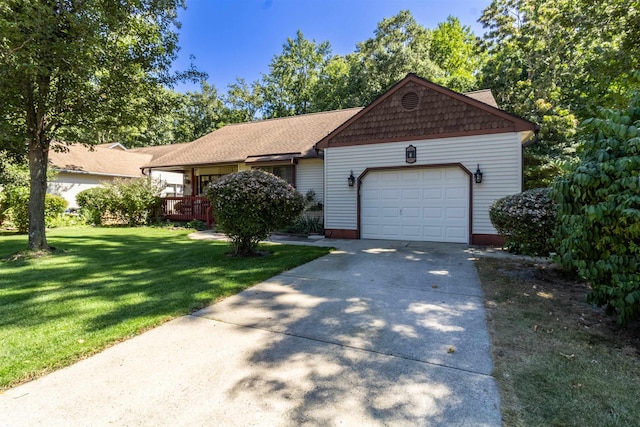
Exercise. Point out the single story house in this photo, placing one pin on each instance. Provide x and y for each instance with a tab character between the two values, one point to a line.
421	162
80	167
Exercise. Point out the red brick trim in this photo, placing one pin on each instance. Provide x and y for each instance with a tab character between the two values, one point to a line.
487	240
337	233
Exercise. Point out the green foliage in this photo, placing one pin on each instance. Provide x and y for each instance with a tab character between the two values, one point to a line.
243	101
526	220
72	71
93	203
248	205
200	113
455	51
131	201
196	225
14	178
310	202
287	89
78	301
554	63
599	212
18	207
66	220
135	201
306	77
54	206
305	224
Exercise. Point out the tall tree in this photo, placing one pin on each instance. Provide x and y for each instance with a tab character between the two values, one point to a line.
400	46
243	101
556	62
456	52
331	90
287	89
71	68
199	113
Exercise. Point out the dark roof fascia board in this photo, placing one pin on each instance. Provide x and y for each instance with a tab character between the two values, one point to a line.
430	137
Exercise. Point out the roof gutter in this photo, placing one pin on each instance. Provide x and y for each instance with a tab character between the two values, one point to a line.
96	173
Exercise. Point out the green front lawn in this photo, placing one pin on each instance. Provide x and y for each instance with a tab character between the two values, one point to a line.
108	284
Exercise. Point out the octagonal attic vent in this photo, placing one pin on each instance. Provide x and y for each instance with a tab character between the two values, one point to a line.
410	101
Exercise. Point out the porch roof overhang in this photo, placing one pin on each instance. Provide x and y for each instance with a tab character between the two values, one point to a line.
270	159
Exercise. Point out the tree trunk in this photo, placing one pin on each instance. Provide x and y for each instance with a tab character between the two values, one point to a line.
38	159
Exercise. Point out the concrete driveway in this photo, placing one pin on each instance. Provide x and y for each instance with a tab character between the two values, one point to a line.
376	333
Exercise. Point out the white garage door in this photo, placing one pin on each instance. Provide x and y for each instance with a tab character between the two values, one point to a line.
416	204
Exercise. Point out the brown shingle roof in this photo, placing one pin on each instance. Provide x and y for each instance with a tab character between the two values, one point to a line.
483	95
158	151
101	161
236	142
419	109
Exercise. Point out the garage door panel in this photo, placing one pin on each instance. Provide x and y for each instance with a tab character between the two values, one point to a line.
457	193
411	177
411	212
411	232
390	231
455	213
421	204
433	213
389	194
409	194
433	234
432	194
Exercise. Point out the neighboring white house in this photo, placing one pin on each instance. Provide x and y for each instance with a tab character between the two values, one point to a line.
406	167
80	167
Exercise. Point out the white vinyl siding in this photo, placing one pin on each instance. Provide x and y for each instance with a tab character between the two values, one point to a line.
68	185
310	176
499	156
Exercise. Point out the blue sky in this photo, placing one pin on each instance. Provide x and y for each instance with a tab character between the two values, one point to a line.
238	38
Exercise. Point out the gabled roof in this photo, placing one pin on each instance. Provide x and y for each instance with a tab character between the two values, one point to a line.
483	95
112	145
158	151
416	108
235	143
81	159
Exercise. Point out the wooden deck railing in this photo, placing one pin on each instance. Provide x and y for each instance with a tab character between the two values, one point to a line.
187	208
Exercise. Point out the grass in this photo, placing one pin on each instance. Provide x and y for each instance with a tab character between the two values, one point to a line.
104	285
558	361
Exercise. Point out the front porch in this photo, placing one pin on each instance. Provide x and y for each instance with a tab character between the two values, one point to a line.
187	208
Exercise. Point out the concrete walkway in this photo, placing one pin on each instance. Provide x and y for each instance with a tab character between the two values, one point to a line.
376	333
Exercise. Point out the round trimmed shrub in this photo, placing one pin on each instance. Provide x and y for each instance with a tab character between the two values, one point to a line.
93	203
54	206
18	202
248	205
526	220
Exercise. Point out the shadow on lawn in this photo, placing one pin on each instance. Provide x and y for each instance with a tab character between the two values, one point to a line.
119	274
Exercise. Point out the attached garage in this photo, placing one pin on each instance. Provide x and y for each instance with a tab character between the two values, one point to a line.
423	204
403	167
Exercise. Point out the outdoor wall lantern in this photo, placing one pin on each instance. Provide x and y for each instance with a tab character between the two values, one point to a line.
351	180
410	154
477	176
187	180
